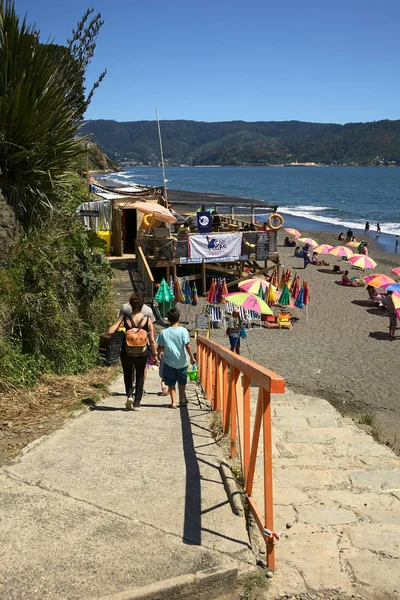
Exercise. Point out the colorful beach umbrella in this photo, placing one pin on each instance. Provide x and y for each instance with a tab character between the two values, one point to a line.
379	280
178	293
299	302
308	241
282	282
295	289
323	248
306	288
393	287
187	292
195	296
260	293
396	302
362	261
163	293
396	271
352	244
271	295
341	251
249	301
293	232
224	291
211	292
252	286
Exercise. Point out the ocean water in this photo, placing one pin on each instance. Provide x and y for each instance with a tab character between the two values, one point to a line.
333	198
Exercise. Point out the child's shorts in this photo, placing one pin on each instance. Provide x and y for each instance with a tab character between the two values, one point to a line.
172	375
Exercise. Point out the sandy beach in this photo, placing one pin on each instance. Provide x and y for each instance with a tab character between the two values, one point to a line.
343	352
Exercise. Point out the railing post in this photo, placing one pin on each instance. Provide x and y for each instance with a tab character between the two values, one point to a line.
268	479
235	374
246	428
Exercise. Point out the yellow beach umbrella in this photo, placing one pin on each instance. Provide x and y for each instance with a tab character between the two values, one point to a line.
323	248
308	241
362	261
341	251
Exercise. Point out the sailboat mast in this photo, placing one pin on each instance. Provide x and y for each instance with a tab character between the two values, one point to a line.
162	159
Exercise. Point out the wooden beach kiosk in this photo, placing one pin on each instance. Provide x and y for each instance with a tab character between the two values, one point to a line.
161	249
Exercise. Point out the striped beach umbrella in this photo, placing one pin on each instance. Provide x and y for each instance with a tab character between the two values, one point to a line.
308	241
393	287
249	301
379	280
362	261
396	271
341	251
293	232
252	286
323	248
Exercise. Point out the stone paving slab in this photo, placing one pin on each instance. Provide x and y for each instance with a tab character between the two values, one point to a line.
341	489
117	499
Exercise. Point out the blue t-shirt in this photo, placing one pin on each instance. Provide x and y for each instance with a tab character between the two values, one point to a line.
174	340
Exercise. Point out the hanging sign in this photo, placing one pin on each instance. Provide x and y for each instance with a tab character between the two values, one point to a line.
204	222
215	247
262	247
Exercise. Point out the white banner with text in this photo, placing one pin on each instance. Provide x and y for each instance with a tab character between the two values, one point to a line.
215	246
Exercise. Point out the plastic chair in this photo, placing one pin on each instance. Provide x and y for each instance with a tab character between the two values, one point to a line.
284	321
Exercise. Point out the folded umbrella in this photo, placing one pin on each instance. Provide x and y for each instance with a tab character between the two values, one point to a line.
284	298
195	297
178	293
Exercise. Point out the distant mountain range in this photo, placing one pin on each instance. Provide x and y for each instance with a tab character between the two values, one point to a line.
241	143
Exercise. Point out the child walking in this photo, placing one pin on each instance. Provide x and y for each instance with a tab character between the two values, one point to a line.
174	342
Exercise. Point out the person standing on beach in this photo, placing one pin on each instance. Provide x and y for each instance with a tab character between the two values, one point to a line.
367	227
174	342
378	230
234	328
396	243
392	314
306	254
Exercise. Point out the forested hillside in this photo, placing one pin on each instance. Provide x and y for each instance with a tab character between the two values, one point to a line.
240	143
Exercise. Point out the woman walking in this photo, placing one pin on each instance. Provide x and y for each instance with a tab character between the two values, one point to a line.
139	333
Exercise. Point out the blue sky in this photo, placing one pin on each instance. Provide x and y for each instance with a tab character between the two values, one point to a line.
226	60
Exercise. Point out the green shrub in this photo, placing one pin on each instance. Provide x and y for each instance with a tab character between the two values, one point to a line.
56	299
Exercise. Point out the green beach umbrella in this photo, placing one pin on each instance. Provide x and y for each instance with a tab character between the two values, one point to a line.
260	293
164	297
285	296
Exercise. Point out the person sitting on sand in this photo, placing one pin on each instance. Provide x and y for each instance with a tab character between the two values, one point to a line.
341	237
288	242
365	249
298	252
374	296
353	282
316	261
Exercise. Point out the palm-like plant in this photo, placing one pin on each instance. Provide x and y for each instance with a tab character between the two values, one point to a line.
38	147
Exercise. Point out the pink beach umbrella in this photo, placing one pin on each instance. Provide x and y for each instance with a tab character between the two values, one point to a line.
252	286
308	241
323	248
396	271
362	261
341	251
293	232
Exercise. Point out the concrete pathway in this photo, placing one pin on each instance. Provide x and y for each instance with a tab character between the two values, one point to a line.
341	489
117	501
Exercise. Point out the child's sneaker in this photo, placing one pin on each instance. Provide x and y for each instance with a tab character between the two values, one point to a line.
129	404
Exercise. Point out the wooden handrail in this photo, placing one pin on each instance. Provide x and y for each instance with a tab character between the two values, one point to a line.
226	379
145	263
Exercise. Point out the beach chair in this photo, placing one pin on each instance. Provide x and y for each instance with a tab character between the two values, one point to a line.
271	322
284	321
253	317
217	317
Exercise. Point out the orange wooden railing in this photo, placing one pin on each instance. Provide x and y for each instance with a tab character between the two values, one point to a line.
226	378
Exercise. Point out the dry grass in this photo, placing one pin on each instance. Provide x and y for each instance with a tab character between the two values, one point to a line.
26	414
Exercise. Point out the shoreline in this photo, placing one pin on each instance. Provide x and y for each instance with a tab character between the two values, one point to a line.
385	242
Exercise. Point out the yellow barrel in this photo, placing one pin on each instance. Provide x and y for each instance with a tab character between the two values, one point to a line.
106	236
